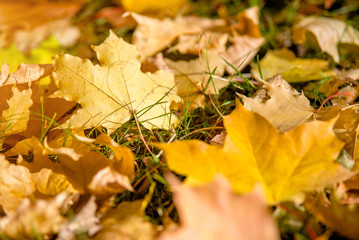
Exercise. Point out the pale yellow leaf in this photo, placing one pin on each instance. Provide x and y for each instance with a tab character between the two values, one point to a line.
328	33
281	104
192	77
14	119
153	35
15	185
111	92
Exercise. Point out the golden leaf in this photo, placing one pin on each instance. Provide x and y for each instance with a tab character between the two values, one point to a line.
284	62
254	151
81	166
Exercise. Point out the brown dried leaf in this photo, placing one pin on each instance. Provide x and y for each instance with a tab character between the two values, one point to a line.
340	217
81	166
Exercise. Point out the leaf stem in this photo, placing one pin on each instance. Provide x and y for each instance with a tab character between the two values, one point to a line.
141	135
332	96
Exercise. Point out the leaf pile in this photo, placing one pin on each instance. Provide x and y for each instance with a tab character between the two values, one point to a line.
179	133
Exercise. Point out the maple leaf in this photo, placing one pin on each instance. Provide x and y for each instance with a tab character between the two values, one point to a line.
15	185
281	104
15	109
153	35
254	151
80	165
234	215
14	119
110	92
284	62
329	34
192	80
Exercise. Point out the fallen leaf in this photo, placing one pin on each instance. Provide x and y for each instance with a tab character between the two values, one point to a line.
81	166
281	104
15	185
228	216
255	152
17	100
331	86
61	31
43	217
14	119
50	184
111	92
243	50
153	35
346	126
284	62
126	222
342	218
329	34
218	139
27	15
25	73
159	6
194	43
246	40
193	79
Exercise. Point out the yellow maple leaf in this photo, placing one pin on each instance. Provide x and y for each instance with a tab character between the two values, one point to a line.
302	159
15	185
293	69
111	92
